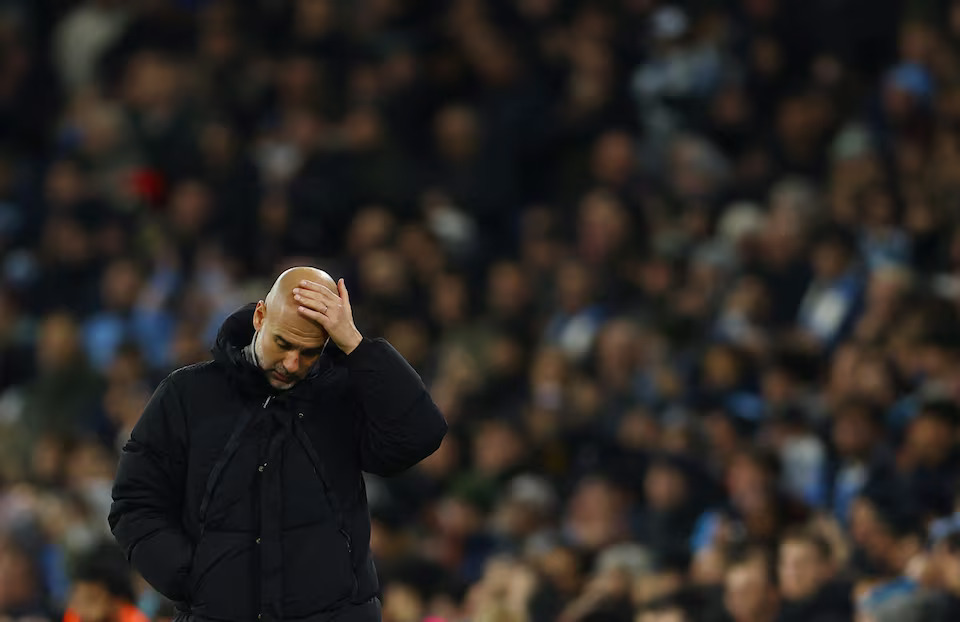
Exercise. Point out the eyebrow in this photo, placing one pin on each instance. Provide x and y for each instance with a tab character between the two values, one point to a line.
283	343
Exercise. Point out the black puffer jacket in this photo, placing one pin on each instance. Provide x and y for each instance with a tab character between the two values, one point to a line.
241	503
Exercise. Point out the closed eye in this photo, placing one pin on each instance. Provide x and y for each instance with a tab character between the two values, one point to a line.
283	344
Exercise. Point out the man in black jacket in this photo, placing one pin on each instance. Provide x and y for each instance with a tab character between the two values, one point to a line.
239	494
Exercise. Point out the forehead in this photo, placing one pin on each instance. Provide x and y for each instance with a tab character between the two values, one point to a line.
293	328
747	574
798	546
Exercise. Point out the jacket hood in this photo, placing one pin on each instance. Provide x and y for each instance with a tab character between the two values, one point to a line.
235	334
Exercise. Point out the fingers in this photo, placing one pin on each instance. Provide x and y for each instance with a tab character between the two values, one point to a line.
319	303
318	288
316	299
313	302
314	315
344	294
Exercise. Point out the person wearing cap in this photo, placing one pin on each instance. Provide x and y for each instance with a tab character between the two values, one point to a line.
240	495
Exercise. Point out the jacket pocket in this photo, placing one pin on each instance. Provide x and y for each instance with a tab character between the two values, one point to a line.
317	569
222	577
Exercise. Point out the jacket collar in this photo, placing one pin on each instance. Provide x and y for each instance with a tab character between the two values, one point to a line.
235	334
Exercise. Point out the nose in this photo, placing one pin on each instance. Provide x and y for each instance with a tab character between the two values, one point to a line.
291	362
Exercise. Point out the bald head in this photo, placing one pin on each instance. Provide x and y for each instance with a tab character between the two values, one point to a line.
288	343
281	294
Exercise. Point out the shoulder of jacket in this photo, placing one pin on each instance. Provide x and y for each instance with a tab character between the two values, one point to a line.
192	373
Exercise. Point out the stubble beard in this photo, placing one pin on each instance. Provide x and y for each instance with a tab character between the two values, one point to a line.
258	352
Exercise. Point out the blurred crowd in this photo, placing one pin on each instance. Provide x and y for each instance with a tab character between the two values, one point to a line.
684	278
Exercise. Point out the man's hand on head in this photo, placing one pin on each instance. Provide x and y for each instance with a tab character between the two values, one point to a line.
332	312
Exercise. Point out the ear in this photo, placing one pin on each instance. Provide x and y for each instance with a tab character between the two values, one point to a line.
259	314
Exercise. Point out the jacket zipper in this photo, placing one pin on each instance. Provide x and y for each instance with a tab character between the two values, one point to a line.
343	531
353	571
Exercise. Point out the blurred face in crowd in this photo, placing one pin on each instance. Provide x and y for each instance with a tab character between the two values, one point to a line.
802	120
47	460
539	245
750	297
508	289
458	518
748	594
383	275
596	514
873	378
457	133
613	158
746	475
694	167
603	226
402	603
871	535
505	359
886	288
92	602
287	344
152	81
561	567
90	463
449	300
65	185
930	440
830	260
548	374
949	565
802	569
120	285
722	368
665	487
670	614
842	377
17	585
574	286
58	346
937	360
496	448
854	431
371	228
779	385
191	206
653	585
617	352
878	208
409	336
314	19
67	242
421	250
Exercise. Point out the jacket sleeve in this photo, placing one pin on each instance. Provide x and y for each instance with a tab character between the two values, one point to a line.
399	424
148	495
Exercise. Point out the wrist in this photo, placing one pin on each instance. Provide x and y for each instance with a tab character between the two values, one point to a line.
352	344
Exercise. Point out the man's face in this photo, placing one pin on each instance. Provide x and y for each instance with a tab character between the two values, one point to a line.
950	570
674	614
802	572
747	591
929	440
92	602
287	344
